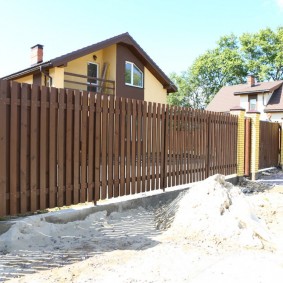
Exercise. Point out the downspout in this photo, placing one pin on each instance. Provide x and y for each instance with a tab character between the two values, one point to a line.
46	75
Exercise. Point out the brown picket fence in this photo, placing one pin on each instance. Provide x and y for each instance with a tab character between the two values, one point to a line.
62	147
269	144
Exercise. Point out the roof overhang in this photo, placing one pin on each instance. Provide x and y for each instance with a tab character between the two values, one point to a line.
252	92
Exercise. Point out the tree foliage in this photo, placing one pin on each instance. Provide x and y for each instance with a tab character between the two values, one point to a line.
229	63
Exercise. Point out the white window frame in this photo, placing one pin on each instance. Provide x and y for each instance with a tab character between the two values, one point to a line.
93	84
132	74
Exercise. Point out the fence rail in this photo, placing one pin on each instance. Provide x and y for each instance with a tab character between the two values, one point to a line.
61	147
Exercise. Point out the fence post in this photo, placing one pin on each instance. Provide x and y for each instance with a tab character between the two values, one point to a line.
255	135
281	145
240	112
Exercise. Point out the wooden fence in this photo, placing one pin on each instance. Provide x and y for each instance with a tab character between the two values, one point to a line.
269	144
61	147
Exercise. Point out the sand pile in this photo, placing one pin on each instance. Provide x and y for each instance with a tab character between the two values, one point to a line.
215	212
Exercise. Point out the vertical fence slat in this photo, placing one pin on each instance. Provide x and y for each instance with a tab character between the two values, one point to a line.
84	146
122	144
76	137
14	154
117	148
139	145
53	147
164	146
34	143
134	142
91	147
4	89
153	162
104	142
61	149
144	141
43	148
69	147
128	145
148	146
158	133
97	154
110	146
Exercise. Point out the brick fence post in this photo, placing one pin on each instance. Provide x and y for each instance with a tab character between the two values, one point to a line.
240	112
255	135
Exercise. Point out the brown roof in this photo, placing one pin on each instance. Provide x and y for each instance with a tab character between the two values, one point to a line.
228	97
124	38
257	88
275	103
224	100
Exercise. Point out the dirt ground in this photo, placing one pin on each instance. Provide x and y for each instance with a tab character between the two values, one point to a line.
214	233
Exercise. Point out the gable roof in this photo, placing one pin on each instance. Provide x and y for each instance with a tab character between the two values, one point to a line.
224	100
228	97
275	103
124	38
257	88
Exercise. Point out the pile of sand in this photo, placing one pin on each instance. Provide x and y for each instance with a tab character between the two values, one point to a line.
214	212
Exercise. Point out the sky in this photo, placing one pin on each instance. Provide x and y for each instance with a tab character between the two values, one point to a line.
172	32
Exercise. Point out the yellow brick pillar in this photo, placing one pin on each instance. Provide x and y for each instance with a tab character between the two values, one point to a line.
255	129
240	112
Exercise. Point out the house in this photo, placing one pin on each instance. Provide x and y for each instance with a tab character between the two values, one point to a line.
264	97
116	66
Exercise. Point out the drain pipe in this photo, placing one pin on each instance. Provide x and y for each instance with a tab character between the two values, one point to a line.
46	75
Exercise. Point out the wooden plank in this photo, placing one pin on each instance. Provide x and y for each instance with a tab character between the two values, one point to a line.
104	146
134	138
110	146
53	147
139	145
84	146
122	144
76	137
34	144
164	146
69	146
43	147
97	151
183	149
158	156
144	141
91	147
61	149
128	145
117	148
153	159
170	143
148	146
14	148
4	147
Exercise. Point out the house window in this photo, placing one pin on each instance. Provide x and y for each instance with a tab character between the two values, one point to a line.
133	75
252	102
92	71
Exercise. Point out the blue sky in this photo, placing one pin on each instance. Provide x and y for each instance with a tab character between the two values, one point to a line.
173	33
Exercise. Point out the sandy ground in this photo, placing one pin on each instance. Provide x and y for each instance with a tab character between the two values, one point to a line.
212	233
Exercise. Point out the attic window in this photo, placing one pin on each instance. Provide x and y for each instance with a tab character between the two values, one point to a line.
133	75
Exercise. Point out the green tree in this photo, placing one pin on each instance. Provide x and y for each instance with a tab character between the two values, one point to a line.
263	53
228	64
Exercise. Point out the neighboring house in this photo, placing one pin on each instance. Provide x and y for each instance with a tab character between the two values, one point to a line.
264	97
117	66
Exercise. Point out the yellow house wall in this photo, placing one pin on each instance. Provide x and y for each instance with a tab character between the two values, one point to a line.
57	75
153	89
27	79
79	66
110	57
